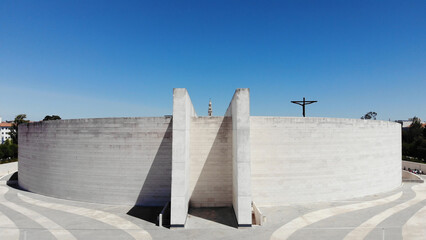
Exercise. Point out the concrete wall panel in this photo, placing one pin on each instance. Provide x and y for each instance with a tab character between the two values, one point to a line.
106	160
211	162
322	159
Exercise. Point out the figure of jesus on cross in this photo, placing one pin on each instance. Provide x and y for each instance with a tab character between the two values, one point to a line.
303	103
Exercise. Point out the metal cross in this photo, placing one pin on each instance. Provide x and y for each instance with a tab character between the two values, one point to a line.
303	103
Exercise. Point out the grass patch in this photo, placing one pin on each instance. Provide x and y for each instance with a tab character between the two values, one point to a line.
413	159
8	160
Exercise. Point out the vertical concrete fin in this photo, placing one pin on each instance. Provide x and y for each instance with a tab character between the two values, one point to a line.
239	110
183	111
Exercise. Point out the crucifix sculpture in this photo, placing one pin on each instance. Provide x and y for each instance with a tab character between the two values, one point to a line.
303	103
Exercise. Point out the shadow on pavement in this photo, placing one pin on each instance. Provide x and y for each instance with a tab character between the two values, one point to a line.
221	215
12	182
149	214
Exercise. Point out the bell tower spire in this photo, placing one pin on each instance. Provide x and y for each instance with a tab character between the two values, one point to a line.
210	108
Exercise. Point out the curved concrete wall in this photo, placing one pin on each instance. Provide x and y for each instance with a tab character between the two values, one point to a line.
129	160
111	160
211	161
322	159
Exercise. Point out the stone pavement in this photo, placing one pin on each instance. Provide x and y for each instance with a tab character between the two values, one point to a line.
399	214
8	168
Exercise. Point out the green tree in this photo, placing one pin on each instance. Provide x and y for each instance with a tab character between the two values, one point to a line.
8	150
14	129
13	149
415	124
414	131
414	140
53	117
370	115
4	152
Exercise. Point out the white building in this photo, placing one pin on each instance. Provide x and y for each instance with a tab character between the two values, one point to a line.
4	130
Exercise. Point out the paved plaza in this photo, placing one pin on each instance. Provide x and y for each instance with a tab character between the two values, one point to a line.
399	214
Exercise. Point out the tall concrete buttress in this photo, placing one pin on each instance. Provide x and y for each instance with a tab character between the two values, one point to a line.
239	111
183	111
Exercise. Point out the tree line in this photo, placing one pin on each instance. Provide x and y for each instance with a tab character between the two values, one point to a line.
414	141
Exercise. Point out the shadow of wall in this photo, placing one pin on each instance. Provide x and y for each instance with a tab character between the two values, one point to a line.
211	162
156	189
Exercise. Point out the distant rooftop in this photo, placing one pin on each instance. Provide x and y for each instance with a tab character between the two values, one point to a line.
5	124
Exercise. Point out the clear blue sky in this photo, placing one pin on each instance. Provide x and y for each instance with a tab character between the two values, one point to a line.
83	59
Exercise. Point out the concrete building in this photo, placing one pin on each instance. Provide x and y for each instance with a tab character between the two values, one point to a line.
404	123
194	161
407	123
